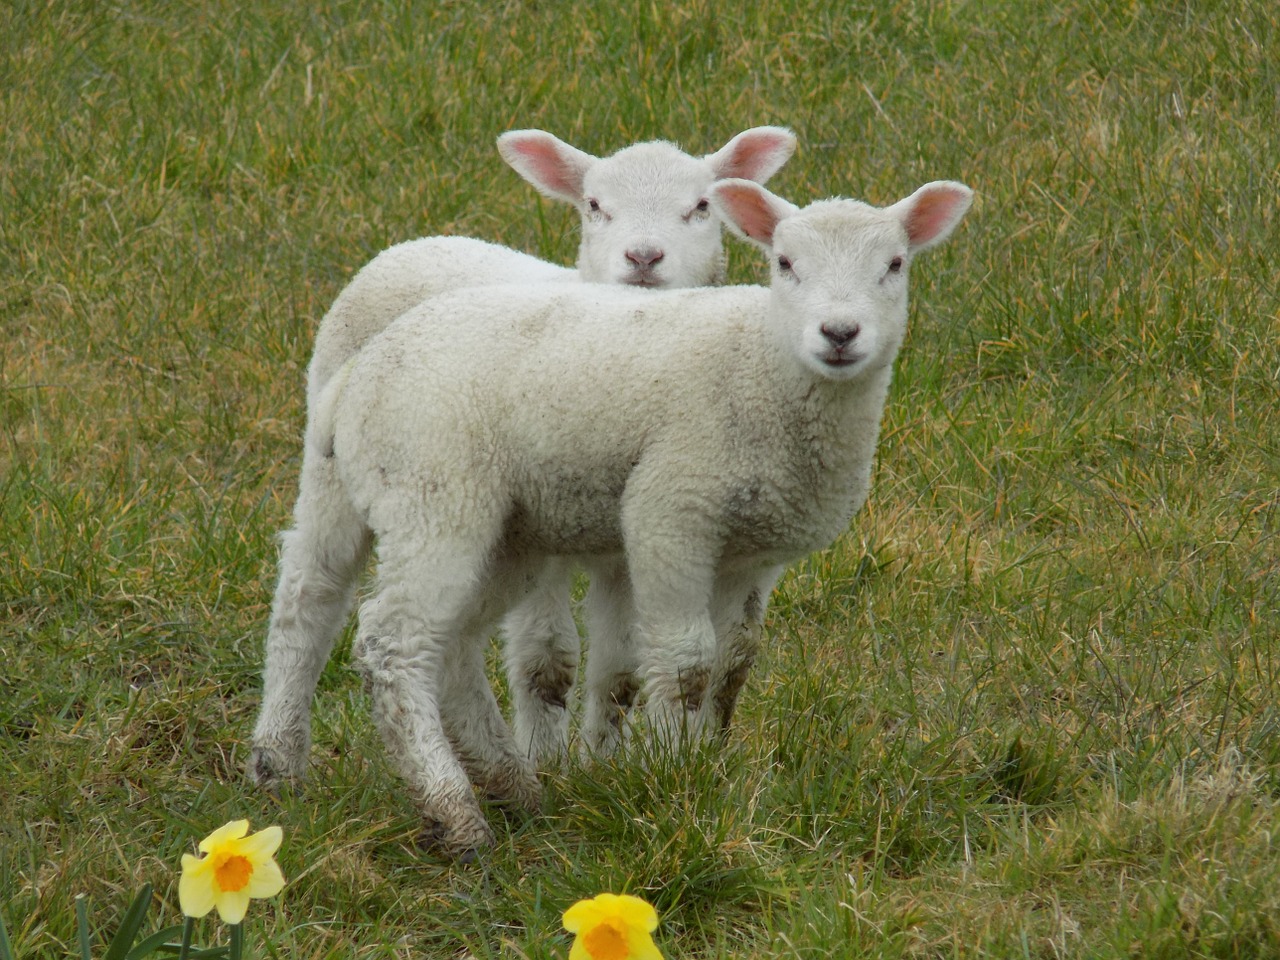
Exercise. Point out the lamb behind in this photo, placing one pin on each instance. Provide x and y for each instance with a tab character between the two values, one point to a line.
645	222
730	432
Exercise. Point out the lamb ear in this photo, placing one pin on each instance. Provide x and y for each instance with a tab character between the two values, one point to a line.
547	162
932	212
750	211
755	154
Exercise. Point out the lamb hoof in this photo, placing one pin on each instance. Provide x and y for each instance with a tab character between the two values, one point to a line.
460	846
516	790
431	836
525	799
268	769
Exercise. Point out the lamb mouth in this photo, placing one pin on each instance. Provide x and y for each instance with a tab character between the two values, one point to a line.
644	280
842	359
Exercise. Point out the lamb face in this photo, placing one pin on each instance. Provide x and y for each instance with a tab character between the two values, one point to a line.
646	215
840	267
840	287
646	220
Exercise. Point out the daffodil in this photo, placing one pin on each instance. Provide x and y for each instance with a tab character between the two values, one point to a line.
235	867
612	927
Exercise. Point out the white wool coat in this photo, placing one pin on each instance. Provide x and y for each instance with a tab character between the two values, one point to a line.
562	417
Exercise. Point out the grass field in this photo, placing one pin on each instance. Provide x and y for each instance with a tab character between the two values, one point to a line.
1027	706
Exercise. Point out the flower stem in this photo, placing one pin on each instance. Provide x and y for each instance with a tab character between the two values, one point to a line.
188	927
237	941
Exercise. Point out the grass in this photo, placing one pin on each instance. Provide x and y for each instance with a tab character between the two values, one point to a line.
1025	707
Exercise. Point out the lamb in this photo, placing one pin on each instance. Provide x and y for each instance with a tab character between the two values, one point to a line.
729	432
645	222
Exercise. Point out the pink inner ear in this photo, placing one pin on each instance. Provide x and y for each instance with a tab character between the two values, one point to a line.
756	156
933	214
750	211
546	165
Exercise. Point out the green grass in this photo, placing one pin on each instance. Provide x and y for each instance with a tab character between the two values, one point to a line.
1025	707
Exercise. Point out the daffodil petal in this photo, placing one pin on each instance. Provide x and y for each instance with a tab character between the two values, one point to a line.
224	834
266	880
640	946
583	913
232	905
193	864
635	912
262	844
195	893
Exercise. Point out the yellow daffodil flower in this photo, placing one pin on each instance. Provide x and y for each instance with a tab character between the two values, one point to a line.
612	927
234	868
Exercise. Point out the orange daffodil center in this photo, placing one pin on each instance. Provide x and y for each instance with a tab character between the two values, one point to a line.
236	867
232	872
605	942
612	927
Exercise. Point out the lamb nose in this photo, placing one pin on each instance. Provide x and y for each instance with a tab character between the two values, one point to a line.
645	256
840	336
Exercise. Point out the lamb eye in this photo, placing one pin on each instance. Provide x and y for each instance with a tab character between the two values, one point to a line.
593	205
895	265
784	264
699	212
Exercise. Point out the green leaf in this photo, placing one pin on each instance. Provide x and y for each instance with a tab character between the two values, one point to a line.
6	949
157	941
129	925
82	926
203	953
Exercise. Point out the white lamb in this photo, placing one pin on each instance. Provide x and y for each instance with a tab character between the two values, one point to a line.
728	432
645	222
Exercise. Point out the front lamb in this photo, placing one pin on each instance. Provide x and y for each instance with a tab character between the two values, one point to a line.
729	433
